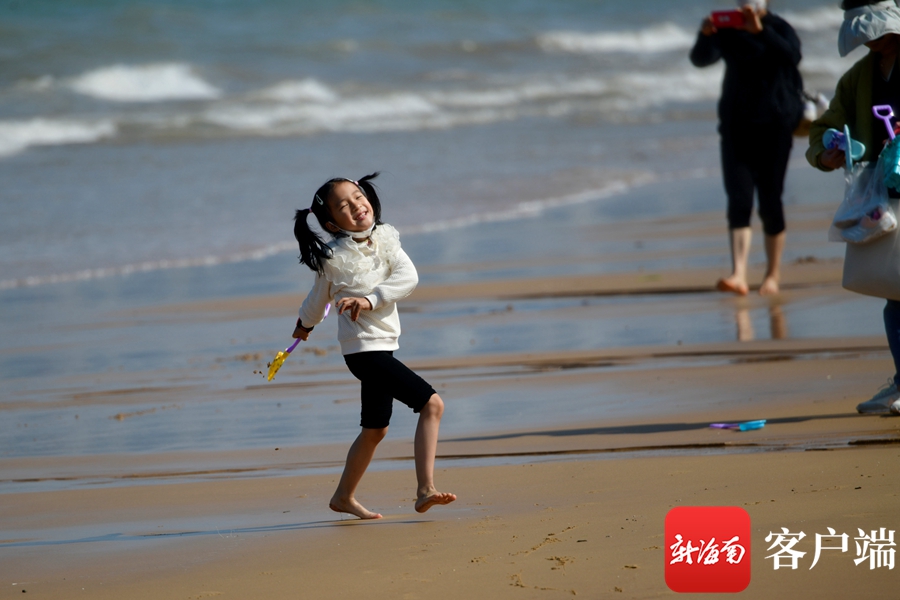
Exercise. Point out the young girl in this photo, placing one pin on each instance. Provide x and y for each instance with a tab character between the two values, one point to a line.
364	272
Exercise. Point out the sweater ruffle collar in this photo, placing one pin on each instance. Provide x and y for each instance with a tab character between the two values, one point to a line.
359	265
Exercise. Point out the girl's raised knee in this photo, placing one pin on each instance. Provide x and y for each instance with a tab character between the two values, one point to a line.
435	406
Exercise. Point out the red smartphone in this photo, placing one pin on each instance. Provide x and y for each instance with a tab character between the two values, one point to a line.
723	19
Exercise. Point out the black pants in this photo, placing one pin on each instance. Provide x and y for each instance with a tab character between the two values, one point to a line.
384	378
756	160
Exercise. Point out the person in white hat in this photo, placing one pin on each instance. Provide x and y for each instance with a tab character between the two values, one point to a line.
875	25
873	80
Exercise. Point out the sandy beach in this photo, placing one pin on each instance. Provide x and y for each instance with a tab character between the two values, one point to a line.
571	507
567	511
553	172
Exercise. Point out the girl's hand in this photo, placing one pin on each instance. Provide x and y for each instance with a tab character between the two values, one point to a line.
707	27
354	305
301	332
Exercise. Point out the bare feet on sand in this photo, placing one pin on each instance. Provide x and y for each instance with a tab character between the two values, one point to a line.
352	507
769	287
431	499
733	285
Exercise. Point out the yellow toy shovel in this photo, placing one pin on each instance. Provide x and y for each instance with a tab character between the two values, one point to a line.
281	356
279	359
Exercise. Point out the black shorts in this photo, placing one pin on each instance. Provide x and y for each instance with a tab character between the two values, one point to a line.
384	378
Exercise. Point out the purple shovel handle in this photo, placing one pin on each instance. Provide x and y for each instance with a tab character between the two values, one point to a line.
290	348
885	112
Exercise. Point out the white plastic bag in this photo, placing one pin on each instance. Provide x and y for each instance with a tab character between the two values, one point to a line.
865	214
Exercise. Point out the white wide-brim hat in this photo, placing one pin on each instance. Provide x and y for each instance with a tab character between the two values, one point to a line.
867	24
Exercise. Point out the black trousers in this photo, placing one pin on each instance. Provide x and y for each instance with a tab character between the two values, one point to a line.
384	378
756	160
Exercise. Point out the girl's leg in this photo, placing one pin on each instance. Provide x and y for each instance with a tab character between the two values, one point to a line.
425	450
358	459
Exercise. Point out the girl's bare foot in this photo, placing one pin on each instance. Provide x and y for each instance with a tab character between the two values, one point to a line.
351	506
769	287
430	499
734	285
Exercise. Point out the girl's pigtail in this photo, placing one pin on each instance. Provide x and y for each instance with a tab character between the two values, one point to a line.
313	250
368	188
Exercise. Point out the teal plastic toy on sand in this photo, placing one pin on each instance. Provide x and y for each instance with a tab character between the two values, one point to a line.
745	426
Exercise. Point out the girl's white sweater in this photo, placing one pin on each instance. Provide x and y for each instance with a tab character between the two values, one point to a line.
381	272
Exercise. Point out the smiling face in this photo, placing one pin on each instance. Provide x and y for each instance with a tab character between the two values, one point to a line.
349	207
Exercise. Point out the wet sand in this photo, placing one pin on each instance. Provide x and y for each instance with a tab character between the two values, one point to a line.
575	507
579	394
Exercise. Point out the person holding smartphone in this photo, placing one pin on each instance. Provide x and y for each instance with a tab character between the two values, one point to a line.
760	107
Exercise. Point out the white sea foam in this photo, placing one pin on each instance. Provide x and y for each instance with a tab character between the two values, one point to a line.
147	266
535	208
819	19
527	209
654	89
16	136
512	93
829	68
502	99
308	106
309	90
144	83
664	37
371	113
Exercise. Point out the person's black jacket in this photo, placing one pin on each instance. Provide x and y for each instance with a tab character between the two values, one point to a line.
762	85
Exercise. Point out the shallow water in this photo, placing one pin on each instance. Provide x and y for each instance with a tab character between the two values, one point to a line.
150	168
195	381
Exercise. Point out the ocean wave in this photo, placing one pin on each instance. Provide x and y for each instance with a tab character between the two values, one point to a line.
16	136
144	83
38	84
818	19
308	107
655	89
517	92
505	99
307	89
534	208
830	68
386	113
147	266
664	37
522	210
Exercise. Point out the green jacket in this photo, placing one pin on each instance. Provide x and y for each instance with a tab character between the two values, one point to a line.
851	105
